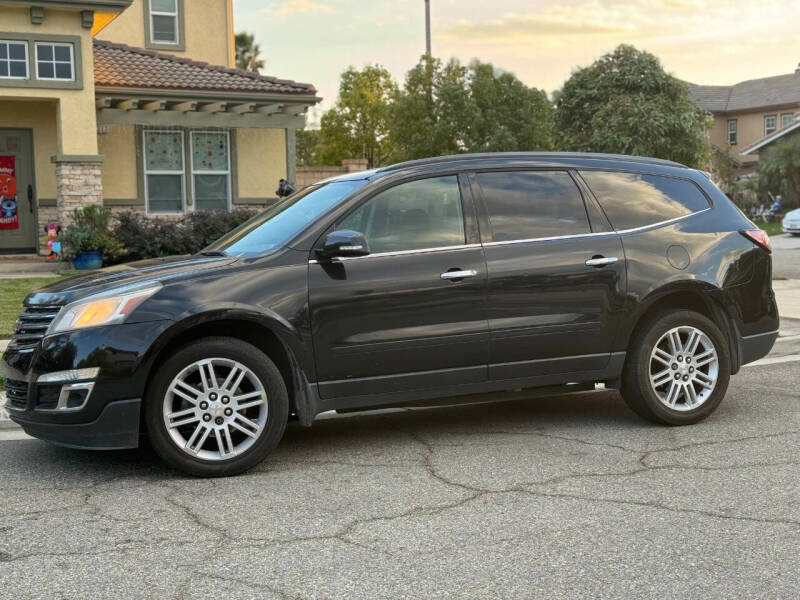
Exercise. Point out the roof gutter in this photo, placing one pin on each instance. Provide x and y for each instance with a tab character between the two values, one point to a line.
205	94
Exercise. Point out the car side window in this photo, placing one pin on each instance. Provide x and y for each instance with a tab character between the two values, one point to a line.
633	200
532	204
411	216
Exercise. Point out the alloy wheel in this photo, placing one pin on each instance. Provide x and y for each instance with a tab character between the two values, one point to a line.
684	368
215	409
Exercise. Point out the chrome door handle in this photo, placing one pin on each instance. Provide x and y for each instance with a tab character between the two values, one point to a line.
601	261
458	274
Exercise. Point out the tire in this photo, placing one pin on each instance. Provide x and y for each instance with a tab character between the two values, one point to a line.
202	381
671	401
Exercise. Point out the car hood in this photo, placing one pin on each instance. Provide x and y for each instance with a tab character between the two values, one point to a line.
793	214
157	269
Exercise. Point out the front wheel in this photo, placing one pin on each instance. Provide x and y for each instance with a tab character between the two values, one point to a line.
678	368
217	407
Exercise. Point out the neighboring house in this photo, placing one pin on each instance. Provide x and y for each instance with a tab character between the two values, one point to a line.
153	120
749	112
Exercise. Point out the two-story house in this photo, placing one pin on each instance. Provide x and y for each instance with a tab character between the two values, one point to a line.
748	112
134	104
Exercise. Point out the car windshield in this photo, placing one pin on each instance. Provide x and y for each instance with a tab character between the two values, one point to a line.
280	223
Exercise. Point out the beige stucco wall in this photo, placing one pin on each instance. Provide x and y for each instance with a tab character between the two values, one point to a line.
75	119
208	34
750	127
261	161
40	116
117	143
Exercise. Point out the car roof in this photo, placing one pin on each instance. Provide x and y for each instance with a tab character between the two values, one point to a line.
500	159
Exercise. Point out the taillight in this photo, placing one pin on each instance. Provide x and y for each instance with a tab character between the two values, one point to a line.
758	237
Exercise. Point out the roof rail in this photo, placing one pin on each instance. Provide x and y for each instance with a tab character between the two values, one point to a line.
528	155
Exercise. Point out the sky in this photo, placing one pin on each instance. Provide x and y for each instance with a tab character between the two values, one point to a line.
541	41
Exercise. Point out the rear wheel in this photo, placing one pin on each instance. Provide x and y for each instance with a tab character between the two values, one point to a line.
217	407
678	368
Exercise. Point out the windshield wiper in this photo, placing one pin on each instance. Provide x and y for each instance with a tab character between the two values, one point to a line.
214	253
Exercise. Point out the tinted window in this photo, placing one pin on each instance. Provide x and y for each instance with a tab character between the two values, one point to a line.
631	200
525	204
411	216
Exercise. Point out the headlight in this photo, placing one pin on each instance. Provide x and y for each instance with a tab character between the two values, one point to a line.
103	309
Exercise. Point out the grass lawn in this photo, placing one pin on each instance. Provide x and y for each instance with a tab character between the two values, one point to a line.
773	228
12	293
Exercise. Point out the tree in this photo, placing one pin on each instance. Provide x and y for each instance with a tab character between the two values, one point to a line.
357	126
511	115
247	52
307	144
446	108
626	103
779	164
429	115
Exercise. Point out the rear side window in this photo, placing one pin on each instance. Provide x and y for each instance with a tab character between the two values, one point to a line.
632	200
532	204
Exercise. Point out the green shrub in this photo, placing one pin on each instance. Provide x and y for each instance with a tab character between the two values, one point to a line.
90	232
151	237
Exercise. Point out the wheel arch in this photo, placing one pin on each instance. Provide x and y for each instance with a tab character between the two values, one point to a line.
272	336
698	296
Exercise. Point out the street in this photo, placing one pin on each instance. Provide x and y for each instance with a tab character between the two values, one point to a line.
567	496
786	258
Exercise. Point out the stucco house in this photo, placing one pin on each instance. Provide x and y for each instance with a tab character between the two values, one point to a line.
749	112
134	104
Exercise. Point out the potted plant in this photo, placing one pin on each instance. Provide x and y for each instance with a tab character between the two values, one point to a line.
88	241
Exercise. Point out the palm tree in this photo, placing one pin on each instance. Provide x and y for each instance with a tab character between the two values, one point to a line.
247	52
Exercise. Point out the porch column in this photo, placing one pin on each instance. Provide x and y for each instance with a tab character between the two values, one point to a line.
78	183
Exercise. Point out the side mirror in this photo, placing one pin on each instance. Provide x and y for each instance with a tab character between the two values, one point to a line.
344	243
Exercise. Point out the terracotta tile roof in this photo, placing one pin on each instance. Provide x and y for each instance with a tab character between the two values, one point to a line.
780	90
118	65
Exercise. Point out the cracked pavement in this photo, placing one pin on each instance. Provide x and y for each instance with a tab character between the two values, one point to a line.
568	496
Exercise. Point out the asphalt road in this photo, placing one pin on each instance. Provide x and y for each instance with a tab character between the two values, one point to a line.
786	256
569	496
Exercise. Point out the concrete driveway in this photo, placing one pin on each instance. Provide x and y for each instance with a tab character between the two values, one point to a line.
569	496
785	256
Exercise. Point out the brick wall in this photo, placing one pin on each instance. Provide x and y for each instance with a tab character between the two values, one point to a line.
308	175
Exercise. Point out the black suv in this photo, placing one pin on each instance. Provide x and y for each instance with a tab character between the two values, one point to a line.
428	279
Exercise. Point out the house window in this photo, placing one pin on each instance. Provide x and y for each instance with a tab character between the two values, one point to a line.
13	60
733	132
164	22
786	119
211	170
164	168
55	61
770	124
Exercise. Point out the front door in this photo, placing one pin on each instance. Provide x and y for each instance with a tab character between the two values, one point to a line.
17	198
555	286
411	314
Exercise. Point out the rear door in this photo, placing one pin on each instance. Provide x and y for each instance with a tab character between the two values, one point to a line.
409	315
556	280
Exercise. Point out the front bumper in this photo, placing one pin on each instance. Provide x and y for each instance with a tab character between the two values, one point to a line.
116	428
108	366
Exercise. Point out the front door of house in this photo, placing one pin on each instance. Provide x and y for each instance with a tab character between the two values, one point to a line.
17	194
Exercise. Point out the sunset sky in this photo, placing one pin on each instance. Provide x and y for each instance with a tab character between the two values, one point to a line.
541	41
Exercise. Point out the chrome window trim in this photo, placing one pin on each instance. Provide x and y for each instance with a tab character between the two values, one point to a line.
399	253
599	233
528	240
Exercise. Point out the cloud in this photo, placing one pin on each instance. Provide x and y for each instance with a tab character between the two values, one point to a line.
293	7
521	27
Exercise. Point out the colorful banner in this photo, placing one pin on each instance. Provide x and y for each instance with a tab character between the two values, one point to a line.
9	206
